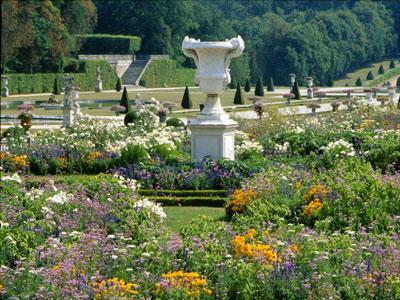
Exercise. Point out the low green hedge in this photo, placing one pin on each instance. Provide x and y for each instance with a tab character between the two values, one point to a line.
108	44
43	82
184	193
165	72
189	201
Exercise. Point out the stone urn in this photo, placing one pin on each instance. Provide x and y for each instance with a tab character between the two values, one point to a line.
212	131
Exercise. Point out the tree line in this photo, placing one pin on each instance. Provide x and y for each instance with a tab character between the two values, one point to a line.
323	39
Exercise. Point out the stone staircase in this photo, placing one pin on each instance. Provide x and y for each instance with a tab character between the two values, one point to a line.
133	73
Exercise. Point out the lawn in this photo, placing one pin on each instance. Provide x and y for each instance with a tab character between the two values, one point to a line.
351	78
178	217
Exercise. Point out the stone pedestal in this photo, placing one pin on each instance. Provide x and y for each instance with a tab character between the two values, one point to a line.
310	93
99	86
4	86
4	92
212	138
68	117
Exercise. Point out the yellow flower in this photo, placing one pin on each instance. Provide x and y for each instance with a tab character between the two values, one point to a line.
240	199
113	288
94	155
313	206
191	283
253	250
63	162
55	268
297	185
314	191
292	248
20	162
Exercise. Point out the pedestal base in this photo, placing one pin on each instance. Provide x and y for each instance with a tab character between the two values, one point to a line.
99	86
68	119
213	138
4	92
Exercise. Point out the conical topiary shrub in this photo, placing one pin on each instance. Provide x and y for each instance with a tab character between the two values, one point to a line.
118	86
359	82
259	91
247	86
270	85
381	70
125	101
370	76
296	91
56	88
392	65
232	84
329	82
186	101
238	95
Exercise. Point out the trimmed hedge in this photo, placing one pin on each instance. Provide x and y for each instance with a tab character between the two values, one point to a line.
164	71
108	44
189	201
43	82
184	193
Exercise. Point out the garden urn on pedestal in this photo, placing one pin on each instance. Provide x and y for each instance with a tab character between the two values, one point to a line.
310	91
4	86
212	131
368	95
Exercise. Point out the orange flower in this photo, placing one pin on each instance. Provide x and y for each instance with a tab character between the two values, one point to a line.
94	155
314	191
240	199
312	207
20	162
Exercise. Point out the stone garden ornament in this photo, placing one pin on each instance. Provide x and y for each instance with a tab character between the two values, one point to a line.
4	84
212	131
99	82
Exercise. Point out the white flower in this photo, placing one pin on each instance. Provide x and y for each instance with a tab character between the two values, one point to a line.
145	254
59	198
111	236
14	177
114	257
152	207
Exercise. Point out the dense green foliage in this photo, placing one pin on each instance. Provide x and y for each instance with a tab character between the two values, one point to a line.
370	76
392	64
239	99
381	70
341	35
232	84
125	103
270	85
118	85
84	78
108	44
359	82
259	90
382	78
186	101
56	88
165	72
247	86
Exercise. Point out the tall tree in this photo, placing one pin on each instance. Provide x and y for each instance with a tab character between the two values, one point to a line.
186	100
16	28
239	99
259	91
125	101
